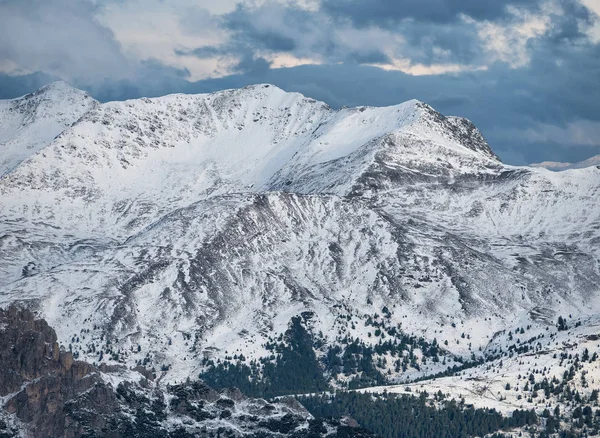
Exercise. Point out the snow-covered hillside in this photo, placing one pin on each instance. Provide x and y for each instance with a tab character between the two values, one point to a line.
193	226
536	367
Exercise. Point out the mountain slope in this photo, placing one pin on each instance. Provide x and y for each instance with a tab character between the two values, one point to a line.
135	161
198	227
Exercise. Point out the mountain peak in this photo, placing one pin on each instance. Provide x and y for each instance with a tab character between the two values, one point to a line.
31	122
60	89
57	85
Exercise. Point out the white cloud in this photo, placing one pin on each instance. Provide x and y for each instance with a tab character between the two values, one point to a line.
594	31
152	29
417	69
284	60
508	42
61	37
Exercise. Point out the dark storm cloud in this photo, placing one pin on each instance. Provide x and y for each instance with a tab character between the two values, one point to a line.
570	25
430	43
390	12
277	28
253	66
15	86
274	27
247	25
204	52
371	57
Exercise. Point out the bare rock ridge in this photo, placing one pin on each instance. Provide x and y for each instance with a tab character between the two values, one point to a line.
45	393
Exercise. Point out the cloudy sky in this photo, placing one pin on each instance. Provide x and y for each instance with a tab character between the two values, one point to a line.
527	72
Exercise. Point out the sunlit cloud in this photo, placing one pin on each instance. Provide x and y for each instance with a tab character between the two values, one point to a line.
407	67
508	42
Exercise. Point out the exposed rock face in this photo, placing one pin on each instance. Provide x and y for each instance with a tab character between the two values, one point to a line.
42	383
45	393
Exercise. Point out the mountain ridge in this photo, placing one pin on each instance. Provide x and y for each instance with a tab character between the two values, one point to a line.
84	159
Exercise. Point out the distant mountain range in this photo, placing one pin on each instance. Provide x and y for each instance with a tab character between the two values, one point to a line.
554	165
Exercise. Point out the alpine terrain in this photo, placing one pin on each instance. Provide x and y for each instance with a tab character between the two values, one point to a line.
260	239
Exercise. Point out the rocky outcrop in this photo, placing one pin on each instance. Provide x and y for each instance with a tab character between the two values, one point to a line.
41	382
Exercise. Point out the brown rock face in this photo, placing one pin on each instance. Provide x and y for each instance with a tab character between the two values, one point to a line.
28	349
44	380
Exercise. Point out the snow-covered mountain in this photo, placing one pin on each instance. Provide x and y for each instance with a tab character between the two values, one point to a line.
556	165
194	226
